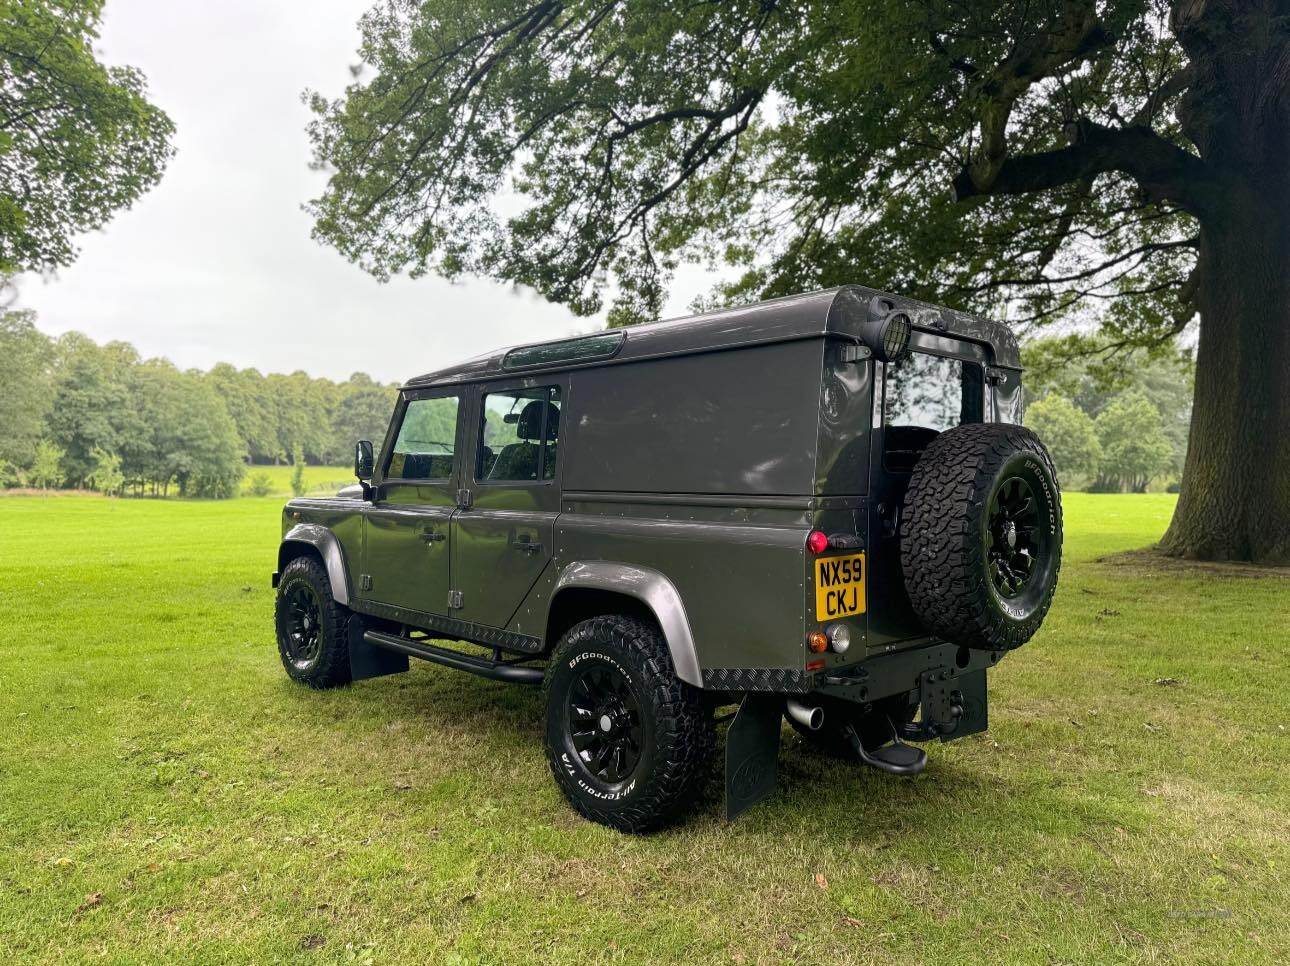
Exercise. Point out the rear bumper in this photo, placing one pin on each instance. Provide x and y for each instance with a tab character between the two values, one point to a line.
902	671
274	580
948	681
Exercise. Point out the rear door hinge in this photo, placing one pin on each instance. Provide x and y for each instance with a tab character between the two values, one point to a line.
456	600
464	499
364	581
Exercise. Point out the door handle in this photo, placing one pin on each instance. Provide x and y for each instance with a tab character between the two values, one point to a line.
433	536
526	546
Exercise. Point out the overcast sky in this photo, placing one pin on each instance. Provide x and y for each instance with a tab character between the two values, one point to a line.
216	263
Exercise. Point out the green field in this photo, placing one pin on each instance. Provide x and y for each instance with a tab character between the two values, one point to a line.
318	479
166	792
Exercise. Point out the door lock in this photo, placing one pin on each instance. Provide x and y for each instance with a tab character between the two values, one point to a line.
889	518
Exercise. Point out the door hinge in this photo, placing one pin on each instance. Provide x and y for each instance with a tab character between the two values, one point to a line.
463	499
456	600
364	581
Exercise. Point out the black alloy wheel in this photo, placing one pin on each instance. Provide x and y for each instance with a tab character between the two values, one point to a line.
1014	541
302	625
981	535
605	723
629	744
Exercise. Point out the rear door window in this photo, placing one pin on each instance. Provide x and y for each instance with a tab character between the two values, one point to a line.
520	435
924	395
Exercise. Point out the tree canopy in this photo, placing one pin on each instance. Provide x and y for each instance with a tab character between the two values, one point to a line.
78	140
1118	161
812	143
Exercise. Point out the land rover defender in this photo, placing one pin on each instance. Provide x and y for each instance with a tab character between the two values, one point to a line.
821	508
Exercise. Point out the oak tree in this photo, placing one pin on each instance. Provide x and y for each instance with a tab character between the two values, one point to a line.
1120	162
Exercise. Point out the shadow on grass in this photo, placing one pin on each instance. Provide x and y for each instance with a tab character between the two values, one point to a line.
1153	560
954	799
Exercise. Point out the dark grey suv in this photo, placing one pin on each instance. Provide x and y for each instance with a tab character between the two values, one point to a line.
820	507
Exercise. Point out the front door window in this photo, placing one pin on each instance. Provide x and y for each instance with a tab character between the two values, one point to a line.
426	443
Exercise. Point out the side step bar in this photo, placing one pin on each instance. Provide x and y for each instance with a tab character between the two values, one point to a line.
496	670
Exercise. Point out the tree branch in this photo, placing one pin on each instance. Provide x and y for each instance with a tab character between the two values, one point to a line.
1164	171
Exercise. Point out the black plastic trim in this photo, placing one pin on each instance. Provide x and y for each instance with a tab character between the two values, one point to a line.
453	628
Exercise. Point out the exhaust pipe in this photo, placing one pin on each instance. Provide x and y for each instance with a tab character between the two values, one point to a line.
810	717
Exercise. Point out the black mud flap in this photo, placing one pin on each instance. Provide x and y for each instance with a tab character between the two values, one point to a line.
752	752
953	705
972	700
366	660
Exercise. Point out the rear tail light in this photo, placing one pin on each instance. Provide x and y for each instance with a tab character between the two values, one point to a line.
817	541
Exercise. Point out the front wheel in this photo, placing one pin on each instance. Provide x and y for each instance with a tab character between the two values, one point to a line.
628	742
312	629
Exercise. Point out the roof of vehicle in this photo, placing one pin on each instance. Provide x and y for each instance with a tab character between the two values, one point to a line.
835	311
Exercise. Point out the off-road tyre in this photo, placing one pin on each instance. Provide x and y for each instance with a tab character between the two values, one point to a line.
873	722
321	661
956	559
675	734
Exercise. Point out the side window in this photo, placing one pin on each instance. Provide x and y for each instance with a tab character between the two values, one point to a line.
521	435
426	441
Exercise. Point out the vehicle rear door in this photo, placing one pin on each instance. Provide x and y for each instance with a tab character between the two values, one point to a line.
407	552
503	540
936	387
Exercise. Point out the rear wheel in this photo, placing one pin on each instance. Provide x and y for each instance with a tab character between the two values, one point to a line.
873	722
312	629
628	742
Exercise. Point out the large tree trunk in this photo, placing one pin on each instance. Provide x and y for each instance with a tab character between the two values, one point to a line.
1235	502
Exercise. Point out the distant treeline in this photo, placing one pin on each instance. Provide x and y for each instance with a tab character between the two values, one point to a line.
1114	423
77	414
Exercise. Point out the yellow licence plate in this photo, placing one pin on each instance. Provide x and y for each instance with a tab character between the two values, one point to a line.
839	586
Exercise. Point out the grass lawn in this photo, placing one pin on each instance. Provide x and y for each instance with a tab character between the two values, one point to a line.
166	792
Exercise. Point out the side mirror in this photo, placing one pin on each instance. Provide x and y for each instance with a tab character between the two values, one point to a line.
364	459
